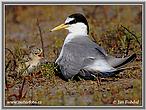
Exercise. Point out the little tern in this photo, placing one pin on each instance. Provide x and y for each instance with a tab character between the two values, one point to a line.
81	56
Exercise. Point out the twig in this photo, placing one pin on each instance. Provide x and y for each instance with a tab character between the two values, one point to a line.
127	48
42	43
94	40
7	65
10	52
6	82
21	89
14	60
24	70
133	35
20	95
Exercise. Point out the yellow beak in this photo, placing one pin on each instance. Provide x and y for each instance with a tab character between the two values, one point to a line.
62	26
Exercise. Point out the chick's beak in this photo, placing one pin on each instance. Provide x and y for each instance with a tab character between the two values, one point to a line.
40	55
62	26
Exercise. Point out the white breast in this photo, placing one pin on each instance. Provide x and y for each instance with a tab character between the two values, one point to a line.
75	30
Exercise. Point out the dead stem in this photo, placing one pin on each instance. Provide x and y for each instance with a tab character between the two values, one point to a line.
14	59
133	36
21	89
40	33
127	47
93	36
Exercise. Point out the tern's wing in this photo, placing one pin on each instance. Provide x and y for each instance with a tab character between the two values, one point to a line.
74	55
87	42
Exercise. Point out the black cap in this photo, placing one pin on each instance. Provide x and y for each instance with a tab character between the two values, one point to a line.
78	18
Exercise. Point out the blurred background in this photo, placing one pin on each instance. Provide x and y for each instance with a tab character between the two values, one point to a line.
104	21
118	28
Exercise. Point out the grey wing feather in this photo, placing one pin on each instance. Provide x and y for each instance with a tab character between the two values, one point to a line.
75	53
69	64
119	62
86	41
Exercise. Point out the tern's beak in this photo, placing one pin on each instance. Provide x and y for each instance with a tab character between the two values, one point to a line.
62	26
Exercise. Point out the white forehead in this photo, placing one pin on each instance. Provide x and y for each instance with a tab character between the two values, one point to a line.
69	19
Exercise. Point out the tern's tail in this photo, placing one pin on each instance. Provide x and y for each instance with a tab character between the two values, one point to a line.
117	71
120	62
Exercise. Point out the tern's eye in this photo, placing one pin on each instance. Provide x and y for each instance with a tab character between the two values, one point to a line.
72	22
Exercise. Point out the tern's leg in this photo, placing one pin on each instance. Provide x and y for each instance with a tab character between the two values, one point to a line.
87	75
